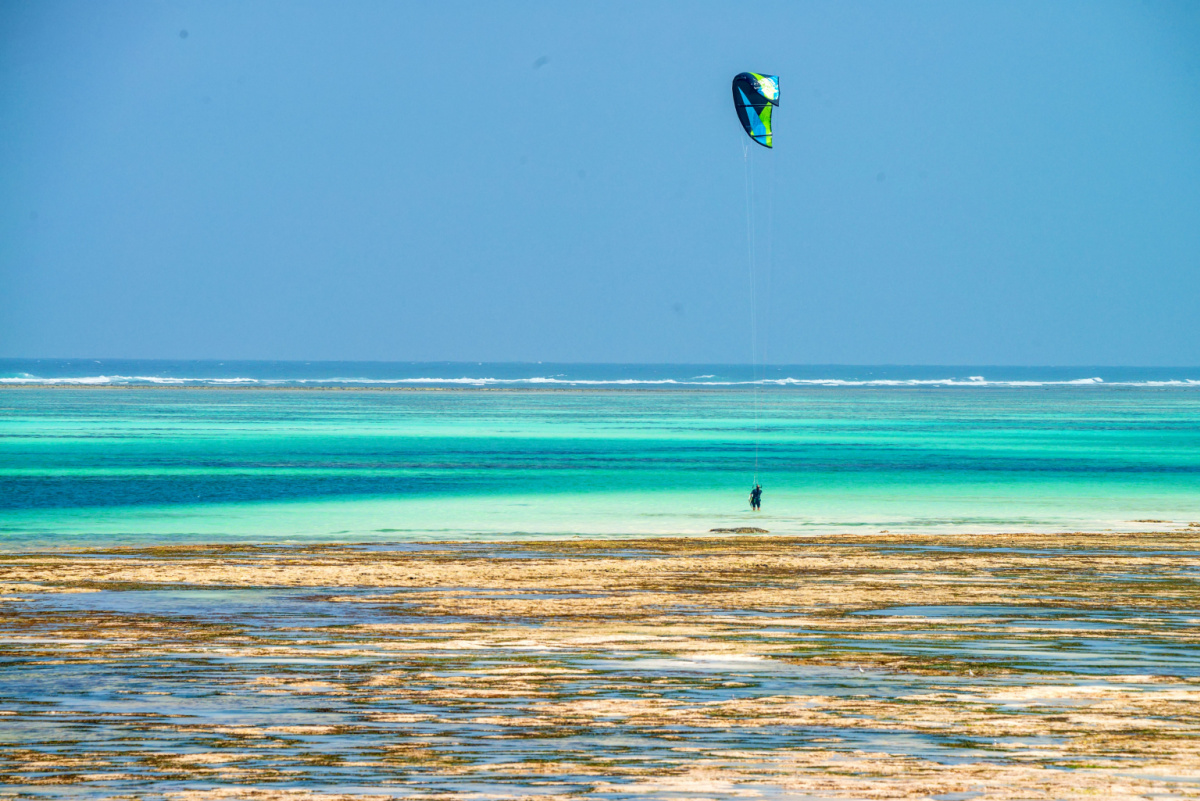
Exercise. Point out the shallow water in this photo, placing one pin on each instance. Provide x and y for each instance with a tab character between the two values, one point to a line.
107	466
952	651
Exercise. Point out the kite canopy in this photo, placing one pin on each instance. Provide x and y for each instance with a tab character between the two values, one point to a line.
754	96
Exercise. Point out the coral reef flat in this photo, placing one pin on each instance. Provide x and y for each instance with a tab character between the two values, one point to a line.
936	666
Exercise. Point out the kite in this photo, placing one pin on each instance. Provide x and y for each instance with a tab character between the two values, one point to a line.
754	96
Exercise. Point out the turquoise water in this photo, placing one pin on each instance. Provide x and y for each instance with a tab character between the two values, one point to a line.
86	466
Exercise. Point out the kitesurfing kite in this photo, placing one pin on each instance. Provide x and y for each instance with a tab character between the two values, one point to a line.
754	96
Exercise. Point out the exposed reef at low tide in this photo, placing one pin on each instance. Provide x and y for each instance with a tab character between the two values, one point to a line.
1014	666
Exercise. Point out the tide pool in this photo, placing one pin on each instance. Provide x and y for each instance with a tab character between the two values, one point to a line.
84	467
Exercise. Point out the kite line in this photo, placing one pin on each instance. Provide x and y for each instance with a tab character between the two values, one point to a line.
754	97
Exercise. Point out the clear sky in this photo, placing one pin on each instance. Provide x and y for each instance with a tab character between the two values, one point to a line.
952	183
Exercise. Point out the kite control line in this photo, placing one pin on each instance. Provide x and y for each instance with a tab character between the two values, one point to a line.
754	98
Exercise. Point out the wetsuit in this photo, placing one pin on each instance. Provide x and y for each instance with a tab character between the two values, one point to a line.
755	497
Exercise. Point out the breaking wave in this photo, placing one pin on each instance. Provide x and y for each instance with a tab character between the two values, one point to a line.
561	381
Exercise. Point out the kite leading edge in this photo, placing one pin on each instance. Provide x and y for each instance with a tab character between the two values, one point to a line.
754	96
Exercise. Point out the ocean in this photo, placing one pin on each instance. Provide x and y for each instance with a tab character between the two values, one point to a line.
97	453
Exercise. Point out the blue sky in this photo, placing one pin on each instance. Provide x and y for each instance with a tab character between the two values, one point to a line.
953	183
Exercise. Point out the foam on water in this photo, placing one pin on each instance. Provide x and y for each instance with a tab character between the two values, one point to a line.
485	381
378	374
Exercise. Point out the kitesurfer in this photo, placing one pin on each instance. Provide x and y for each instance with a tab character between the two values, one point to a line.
755	96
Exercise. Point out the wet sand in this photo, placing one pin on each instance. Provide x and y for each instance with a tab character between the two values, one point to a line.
947	667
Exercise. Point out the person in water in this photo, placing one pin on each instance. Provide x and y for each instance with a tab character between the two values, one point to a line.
756	497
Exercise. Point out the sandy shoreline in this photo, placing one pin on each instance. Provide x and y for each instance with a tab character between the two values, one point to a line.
1013	666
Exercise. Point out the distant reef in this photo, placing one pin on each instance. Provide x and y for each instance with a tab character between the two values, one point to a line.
743	530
